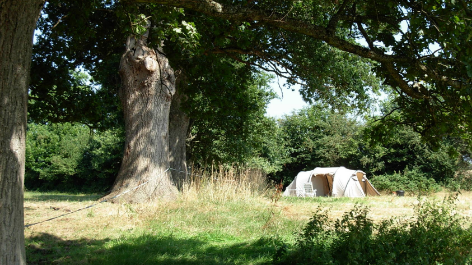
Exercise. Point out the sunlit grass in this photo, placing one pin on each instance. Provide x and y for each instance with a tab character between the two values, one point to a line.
231	219
59	196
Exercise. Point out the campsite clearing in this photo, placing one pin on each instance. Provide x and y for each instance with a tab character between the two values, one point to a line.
243	231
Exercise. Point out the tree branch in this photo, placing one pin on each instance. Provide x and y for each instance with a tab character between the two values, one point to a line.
365	35
388	114
401	82
333	22
59	21
254	14
237	13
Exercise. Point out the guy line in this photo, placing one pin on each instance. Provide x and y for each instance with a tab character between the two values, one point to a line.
102	201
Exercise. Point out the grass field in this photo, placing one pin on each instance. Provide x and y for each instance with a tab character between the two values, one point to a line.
206	225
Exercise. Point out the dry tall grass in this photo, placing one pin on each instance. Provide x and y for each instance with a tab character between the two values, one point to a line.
225	184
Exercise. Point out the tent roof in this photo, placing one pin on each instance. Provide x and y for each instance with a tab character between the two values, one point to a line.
333	171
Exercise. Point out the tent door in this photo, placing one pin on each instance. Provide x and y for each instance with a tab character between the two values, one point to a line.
362	181
329	180
323	184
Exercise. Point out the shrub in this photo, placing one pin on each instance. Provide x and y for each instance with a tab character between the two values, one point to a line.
70	157
462	181
433	236
412	181
53	153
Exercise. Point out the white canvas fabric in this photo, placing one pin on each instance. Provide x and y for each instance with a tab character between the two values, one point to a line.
333	181
302	177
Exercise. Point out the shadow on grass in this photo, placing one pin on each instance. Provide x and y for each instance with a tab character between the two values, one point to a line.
49	249
146	249
33	196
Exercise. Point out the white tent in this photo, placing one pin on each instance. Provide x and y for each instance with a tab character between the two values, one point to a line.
333	181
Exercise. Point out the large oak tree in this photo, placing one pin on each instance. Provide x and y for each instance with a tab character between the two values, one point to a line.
17	23
215	66
399	36
428	64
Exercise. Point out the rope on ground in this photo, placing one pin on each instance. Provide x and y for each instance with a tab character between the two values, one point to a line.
180	171
90	206
187	173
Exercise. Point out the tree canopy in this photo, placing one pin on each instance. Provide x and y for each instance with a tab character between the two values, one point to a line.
219	58
339	52
191	40
422	49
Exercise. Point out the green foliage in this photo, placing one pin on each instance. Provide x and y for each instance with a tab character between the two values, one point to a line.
273	151
76	38
341	80
401	148
69	157
434	236
412	181
228	125
442	108
394	159
422	51
400	158
55	151
101	160
317	137
461	181
74	97
139	24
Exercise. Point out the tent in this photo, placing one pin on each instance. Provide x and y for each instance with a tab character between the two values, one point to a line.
333	181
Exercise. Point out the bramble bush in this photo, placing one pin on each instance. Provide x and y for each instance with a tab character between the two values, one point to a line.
435	235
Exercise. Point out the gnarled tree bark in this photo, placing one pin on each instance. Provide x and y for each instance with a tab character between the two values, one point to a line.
178	131
17	23
148	84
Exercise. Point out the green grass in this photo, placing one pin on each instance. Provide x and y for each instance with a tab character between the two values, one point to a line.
150	248
202	232
59	196
195	229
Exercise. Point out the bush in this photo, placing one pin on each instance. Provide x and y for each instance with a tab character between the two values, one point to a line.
462	181
69	157
412	181
53	153
433	236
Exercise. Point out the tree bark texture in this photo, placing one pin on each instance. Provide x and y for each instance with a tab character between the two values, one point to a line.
178	131
148	84
17	24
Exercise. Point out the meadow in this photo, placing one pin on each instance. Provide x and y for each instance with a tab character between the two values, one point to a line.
232	219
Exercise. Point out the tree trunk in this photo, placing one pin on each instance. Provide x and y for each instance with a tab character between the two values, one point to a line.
148	84
17	24
178	130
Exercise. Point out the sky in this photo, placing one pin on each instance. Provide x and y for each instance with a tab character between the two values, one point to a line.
291	101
